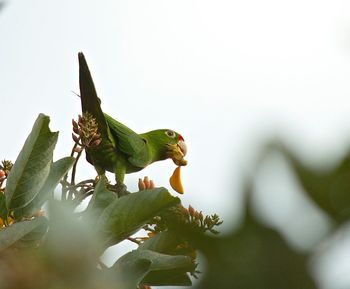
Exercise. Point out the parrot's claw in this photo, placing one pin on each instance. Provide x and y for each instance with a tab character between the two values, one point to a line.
120	189
146	184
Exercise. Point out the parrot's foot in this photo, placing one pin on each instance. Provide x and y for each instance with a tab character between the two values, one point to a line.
120	189
145	184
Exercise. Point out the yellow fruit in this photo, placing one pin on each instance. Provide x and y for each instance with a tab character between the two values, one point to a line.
175	181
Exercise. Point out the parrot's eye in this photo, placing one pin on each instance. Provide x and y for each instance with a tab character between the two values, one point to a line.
170	133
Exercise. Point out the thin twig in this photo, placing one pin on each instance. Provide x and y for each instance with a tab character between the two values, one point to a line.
85	182
74	169
81	197
64	190
64	181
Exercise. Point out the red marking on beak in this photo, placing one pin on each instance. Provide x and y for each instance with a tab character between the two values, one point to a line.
181	138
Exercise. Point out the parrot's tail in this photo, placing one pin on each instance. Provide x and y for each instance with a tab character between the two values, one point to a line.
89	100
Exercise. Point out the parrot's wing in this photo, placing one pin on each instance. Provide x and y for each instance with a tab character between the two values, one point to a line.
129	142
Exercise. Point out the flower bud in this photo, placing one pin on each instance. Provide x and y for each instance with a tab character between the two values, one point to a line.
191	210
74	123
75	138
95	143
200	216
196	215
95	136
78	149
141	185
76	130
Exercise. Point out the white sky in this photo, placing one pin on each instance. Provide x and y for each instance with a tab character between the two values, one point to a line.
225	74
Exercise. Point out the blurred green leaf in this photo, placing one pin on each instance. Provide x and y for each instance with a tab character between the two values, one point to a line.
32	167
57	171
165	242
101	198
34	237
329	189
22	231
174	277
128	214
71	250
251	257
134	267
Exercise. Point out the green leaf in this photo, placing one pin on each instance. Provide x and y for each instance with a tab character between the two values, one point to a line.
22	231
3	209
57	171
163	242
32	167
329	188
174	277
131	269
252	256
33	238
101	198
128	214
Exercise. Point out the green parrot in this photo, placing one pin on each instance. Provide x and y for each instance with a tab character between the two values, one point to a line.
121	150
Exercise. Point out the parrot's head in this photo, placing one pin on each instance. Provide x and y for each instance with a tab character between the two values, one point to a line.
168	144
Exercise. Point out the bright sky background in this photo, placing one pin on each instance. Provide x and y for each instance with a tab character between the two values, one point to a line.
227	75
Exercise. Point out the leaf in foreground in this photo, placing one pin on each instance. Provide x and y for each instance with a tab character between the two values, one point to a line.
128	214
32	167
131	269
251	257
101	198
57	171
329	188
21	231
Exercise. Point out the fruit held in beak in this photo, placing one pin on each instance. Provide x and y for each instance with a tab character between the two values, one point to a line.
175	181
177	152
